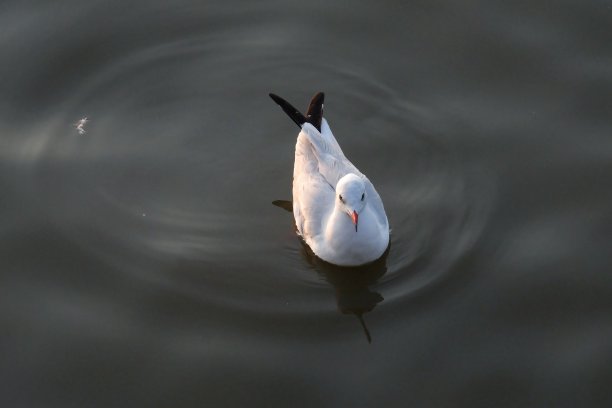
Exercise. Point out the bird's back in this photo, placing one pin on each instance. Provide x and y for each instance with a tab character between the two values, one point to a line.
320	154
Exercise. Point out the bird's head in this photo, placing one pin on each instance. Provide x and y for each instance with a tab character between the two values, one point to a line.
351	196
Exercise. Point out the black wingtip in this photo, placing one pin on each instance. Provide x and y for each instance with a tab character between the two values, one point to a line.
291	111
314	114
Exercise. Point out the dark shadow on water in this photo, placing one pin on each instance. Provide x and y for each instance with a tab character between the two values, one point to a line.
352	284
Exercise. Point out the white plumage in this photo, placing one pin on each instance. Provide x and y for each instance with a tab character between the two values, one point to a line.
337	210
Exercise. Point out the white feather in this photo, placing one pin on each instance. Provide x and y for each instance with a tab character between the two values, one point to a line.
321	220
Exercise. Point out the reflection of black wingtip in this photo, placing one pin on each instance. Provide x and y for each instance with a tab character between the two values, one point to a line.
365	328
284	204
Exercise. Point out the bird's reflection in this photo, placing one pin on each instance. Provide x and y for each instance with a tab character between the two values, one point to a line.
352	284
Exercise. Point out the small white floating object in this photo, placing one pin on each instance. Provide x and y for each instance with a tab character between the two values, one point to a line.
80	125
336	208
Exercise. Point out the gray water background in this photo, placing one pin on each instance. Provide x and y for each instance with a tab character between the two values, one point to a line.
143	264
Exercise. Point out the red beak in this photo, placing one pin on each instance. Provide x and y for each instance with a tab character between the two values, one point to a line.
355	218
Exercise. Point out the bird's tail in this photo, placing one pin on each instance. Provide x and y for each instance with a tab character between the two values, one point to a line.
314	114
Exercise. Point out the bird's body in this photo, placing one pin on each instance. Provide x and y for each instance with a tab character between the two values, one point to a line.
336	208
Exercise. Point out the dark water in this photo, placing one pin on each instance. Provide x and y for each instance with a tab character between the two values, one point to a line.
142	263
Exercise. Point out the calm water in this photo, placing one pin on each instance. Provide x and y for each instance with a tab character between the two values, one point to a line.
143	264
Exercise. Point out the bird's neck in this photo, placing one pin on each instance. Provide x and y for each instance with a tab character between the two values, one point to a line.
340	227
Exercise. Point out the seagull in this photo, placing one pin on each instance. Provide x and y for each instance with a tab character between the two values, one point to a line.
336	208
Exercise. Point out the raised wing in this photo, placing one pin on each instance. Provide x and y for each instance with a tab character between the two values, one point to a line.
314	113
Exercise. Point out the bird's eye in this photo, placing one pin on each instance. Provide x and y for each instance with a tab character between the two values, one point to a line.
362	196
340	197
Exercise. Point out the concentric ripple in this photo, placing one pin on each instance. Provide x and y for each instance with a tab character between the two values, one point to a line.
182	154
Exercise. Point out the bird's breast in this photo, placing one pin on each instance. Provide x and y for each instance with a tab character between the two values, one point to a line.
344	245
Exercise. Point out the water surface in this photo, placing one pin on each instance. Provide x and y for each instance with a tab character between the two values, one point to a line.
143	263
